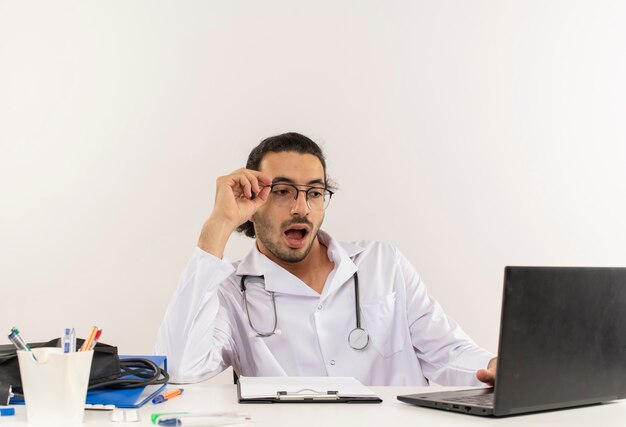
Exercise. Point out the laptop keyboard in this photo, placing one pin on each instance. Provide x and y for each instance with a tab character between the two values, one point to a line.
480	400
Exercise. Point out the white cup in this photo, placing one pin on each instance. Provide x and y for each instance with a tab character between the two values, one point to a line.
55	385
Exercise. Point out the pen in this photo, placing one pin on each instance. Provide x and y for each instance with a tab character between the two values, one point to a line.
167	396
72	341
202	422
206	419
67	342
19	342
95	339
87	344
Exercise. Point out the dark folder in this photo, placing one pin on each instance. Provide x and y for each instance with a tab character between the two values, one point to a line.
128	397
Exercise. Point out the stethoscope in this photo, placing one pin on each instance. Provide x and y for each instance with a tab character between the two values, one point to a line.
358	338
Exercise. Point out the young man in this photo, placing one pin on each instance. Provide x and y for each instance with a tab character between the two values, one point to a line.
301	303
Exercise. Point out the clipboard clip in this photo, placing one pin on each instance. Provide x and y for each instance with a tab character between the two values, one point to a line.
308	394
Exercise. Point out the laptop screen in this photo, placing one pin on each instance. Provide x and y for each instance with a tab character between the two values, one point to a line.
562	338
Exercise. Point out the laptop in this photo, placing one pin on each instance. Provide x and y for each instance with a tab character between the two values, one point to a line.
562	344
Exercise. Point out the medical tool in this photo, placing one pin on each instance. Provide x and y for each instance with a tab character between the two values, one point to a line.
358	338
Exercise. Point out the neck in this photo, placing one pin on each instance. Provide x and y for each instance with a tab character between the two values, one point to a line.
313	269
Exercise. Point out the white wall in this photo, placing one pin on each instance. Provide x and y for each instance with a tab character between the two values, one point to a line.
471	134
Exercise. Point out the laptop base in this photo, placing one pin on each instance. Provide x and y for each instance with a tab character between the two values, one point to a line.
453	401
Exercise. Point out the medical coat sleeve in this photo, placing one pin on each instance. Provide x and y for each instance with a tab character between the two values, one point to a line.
448	356
195	334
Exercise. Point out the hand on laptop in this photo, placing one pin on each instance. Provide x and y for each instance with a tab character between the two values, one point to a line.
488	375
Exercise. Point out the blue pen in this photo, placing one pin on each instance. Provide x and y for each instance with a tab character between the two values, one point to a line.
67	342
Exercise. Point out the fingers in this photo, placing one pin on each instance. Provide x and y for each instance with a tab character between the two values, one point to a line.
237	198
254	184
486	376
262	195
245	183
239	195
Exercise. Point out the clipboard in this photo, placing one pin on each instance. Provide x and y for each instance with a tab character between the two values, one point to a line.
303	390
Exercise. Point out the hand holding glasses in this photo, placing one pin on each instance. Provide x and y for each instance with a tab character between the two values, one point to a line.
283	195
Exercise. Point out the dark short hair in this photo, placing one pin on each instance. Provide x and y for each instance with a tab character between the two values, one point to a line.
290	141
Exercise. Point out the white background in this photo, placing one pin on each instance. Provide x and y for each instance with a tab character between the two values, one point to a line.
471	134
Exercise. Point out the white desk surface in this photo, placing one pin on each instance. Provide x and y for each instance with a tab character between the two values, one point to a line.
220	397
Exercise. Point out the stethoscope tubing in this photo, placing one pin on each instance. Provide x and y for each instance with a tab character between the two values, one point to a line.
357	309
356	332
245	301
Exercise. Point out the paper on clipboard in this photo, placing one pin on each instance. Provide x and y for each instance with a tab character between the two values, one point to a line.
268	387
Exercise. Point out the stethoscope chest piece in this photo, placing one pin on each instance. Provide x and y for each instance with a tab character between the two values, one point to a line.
358	339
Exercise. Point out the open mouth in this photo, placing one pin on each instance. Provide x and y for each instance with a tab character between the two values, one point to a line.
296	236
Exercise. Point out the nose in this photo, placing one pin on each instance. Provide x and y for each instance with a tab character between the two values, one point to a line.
300	207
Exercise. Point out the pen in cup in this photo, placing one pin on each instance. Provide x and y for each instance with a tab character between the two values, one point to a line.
72	341
16	338
89	341
68	342
65	341
95	339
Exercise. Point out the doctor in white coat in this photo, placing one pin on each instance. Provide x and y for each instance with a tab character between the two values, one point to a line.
301	303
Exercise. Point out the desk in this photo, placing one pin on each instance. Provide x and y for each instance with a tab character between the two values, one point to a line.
390	413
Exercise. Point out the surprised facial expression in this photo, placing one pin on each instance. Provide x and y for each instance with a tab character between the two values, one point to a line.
287	232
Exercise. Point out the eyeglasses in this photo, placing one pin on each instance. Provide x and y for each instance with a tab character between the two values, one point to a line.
283	195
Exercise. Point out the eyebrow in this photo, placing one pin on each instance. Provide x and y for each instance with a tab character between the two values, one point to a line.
280	179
